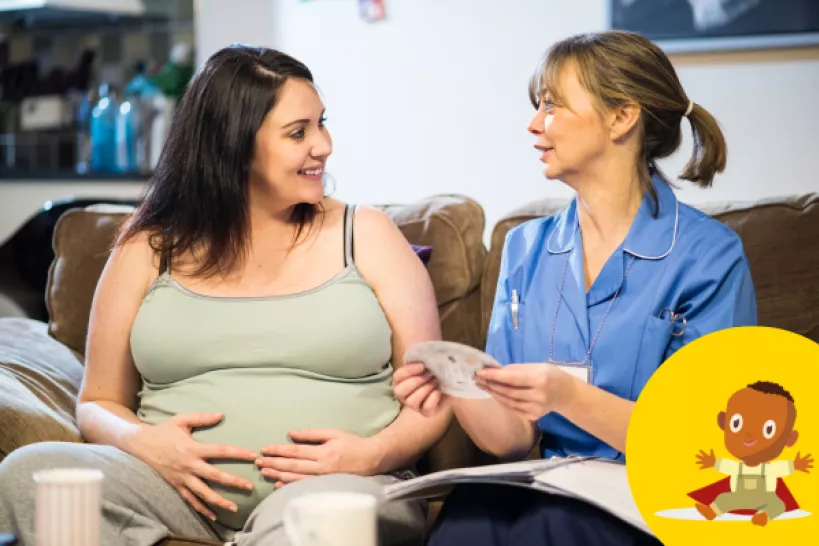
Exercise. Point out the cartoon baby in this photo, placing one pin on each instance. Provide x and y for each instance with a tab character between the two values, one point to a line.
758	426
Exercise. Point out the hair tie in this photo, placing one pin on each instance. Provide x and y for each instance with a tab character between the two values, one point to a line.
689	109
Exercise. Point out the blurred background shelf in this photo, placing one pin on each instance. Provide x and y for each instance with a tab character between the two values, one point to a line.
70	15
46	176
58	66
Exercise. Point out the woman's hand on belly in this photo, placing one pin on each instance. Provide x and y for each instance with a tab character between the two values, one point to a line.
318	452
169	449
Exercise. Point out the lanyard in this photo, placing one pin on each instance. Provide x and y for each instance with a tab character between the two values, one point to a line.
557	310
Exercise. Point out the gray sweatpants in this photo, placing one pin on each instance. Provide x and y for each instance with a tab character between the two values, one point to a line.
139	508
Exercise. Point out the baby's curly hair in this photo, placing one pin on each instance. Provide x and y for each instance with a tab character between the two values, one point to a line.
768	387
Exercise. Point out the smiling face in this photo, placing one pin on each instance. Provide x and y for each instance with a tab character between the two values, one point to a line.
292	147
757	425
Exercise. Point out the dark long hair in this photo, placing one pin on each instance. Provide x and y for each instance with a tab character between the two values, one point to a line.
197	200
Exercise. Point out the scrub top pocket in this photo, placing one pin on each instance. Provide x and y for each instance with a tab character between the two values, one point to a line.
657	336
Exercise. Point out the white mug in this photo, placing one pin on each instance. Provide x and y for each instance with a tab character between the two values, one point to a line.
68	507
332	519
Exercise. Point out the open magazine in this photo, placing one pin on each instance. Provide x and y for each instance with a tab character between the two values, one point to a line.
601	482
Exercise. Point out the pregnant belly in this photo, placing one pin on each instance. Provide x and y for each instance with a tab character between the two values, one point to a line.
262	412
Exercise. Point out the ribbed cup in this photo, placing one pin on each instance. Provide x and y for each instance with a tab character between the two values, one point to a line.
68	508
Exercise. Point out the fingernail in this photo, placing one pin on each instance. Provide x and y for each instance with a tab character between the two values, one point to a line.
232	507
212	517
258	462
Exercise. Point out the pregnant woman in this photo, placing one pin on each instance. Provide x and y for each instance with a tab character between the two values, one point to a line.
244	331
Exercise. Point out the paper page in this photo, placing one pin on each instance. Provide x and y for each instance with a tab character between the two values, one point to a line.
523	471
599	482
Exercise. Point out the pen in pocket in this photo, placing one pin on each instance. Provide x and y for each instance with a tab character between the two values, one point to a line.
515	308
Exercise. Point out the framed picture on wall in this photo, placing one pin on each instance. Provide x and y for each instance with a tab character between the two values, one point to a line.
714	25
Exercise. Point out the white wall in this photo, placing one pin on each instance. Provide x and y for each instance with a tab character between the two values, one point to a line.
22	199
434	99
222	22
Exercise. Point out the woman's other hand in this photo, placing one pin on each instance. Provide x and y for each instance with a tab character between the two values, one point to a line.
318	452
169	449
416	388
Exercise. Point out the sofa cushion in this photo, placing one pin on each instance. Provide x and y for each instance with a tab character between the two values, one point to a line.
779	236
39	382
452	225
781	240
83	239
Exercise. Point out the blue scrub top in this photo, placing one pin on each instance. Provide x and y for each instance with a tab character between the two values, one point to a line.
684	260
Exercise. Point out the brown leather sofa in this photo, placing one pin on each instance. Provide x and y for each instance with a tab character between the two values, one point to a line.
41	364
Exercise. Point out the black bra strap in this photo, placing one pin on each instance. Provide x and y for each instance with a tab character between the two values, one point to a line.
164	262
349	214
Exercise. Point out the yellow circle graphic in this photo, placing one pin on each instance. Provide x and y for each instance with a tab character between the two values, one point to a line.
722	443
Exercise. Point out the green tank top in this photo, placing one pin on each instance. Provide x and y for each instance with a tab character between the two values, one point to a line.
313	359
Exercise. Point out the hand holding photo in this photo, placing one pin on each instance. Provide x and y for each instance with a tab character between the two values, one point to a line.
454	366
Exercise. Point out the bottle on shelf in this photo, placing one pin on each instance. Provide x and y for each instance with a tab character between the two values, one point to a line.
82	122
171	80
137	115
103	130
126	132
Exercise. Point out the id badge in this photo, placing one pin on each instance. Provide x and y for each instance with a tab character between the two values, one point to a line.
580	370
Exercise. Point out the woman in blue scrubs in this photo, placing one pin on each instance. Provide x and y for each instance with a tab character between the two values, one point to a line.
590	302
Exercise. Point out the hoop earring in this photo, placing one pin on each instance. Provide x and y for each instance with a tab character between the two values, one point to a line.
329	177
